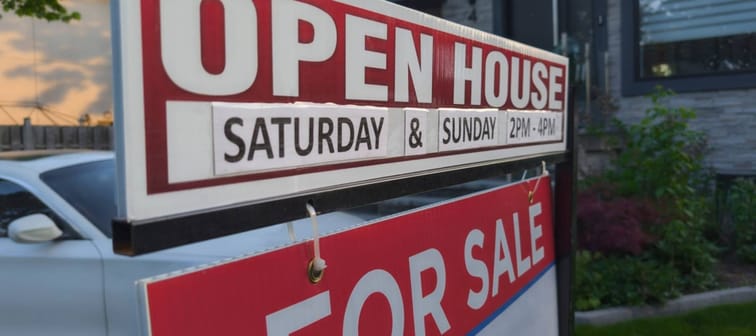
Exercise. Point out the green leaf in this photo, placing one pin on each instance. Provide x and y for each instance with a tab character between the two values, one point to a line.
50	10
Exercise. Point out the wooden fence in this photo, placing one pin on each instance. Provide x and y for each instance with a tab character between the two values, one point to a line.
28	137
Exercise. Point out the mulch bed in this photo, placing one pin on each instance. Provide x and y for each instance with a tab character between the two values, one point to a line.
732	273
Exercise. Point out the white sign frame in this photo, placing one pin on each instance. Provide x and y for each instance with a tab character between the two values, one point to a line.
137	204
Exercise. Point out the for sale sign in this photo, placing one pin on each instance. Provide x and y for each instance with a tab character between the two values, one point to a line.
481	264
228	102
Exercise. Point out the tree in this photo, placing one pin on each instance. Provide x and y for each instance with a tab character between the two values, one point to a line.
50	10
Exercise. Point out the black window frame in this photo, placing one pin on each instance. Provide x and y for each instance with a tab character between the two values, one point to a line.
633	85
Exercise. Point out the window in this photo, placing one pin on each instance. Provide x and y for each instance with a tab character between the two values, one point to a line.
688	45
89	188
17	202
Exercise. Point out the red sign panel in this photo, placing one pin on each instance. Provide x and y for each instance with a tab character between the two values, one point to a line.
476	264
325	52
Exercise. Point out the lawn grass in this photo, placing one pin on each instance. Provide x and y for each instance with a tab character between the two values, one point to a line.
730	320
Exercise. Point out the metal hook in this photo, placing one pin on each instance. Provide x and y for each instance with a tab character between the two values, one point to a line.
317	265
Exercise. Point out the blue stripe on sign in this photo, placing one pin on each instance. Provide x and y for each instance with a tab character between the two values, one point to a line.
506	305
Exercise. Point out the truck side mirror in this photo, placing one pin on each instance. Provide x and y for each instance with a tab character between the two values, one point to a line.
36	228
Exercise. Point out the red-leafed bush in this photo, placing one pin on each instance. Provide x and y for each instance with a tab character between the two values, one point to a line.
614	225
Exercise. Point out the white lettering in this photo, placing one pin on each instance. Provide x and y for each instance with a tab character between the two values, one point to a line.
536	231
464	74
181	49
554	88
297	316
538	98
407	64
493	98
520	99
288	51
477	269
502	259
431	303
523	264
358	58
375	281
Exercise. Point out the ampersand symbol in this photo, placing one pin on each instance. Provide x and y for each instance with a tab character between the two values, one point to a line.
416	136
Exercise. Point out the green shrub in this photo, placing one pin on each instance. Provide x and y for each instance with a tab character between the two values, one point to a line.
662	157
590	287
661	163
622	280
742	207
682	245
